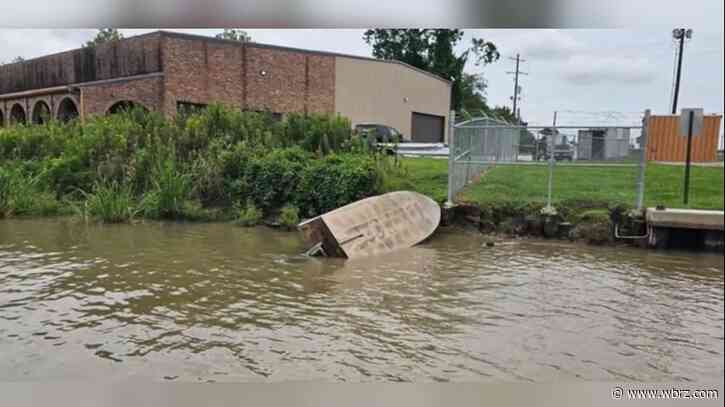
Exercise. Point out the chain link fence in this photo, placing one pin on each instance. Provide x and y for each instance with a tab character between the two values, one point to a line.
578	152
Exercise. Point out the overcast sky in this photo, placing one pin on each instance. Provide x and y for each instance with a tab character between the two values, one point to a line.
589	76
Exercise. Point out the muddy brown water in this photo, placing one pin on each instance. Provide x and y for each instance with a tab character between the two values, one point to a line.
214	302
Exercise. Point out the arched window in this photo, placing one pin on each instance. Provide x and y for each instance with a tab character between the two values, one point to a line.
41	113
124	106
67	110
17	114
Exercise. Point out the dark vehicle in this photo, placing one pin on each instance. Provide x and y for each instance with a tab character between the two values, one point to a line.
380	132
562	151
382	137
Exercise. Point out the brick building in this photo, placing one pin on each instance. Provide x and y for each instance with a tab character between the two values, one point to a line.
166	71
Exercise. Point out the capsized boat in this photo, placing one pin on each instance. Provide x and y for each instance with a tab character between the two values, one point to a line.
372	226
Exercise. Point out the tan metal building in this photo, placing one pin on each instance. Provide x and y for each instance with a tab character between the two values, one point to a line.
665	143
413	101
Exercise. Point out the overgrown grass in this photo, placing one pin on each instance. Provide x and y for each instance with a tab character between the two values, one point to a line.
248	214
110	202
194	167
24	195
170	192
289	216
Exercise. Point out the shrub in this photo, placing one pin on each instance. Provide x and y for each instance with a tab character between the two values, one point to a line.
207	174
289	216
247	215
335	181
109	202
273	179
317	132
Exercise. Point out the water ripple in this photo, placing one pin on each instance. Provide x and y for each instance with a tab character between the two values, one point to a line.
183	302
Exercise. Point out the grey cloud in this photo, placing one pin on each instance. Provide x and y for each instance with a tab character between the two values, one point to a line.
592	69
549	44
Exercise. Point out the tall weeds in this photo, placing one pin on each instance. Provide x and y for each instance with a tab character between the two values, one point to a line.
110	202
170	192
135	163
23	194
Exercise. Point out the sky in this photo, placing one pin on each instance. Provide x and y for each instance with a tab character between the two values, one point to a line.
589	77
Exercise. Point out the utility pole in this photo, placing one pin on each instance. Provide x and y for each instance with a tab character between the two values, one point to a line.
679	34
516	74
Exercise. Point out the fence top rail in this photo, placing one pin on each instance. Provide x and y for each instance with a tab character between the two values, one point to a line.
498	126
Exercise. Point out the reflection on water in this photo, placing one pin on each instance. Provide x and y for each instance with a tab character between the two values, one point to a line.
214	302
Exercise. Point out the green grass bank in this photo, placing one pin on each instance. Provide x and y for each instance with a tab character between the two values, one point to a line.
509	199
225	165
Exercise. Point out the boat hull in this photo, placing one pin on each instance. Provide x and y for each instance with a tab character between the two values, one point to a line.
374	225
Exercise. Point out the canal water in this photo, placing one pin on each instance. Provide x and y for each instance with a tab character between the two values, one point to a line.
214	302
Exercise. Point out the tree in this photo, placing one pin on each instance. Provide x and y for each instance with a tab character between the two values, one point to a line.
473	95
503	113
432	51
103	36
234	34
14	60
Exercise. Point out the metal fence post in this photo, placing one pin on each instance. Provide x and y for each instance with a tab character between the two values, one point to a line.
551	168
552	145
451	155
642	160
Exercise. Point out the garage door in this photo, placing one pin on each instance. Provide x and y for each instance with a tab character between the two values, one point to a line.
427	128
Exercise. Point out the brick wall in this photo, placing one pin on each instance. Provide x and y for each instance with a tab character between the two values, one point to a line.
199	71
321	89
196	70
282	88
97	99
206	70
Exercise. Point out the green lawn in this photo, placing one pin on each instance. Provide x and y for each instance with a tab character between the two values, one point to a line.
525	183
428	176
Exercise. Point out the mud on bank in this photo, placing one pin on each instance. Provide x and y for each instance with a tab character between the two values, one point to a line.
585	221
